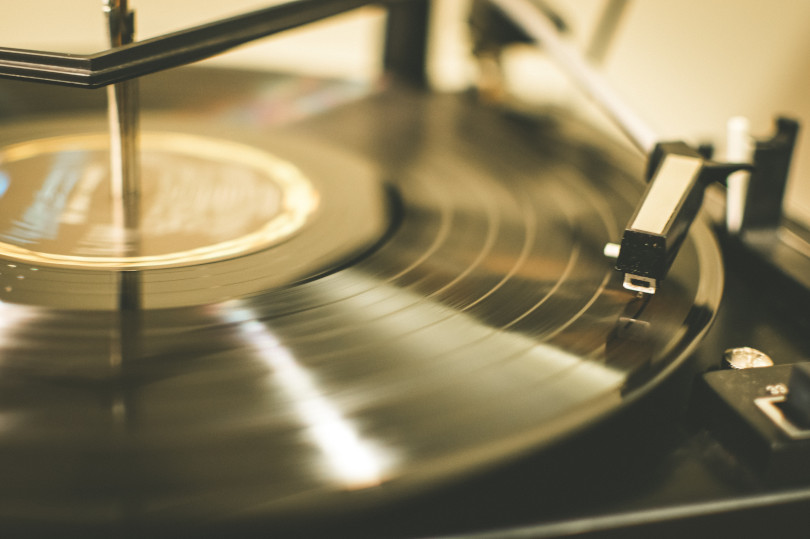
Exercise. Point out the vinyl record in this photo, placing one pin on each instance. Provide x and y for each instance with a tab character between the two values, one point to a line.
445	308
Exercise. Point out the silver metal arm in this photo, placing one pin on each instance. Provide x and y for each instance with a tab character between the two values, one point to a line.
532	21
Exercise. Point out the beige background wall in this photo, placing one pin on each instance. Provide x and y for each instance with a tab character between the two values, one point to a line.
686	66
689	65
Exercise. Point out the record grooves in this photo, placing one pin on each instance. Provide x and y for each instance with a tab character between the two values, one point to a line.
348	366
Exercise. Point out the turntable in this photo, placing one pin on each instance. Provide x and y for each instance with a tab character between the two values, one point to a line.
243	303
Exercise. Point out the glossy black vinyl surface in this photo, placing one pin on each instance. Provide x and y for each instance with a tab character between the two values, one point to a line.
485	324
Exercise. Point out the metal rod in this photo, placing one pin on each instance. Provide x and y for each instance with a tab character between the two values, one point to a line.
606	30
526	16
122	105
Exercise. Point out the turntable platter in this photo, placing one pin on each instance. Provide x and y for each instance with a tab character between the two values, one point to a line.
481	321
